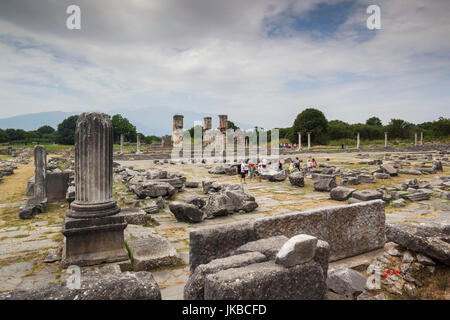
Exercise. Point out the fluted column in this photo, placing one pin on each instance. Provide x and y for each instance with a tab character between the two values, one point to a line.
421	138
415	138
309	140
93	167
358	144
40	168
385	140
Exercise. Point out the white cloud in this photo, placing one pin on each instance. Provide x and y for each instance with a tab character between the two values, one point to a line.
217	53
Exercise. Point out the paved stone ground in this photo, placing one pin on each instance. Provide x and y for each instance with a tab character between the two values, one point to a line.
23	248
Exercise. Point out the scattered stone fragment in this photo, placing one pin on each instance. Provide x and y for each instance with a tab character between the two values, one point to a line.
297	250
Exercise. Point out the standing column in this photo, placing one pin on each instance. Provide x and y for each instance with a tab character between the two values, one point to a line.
385	140
357	141
421	138
138	144
40	170
299	140
121	143
177	131
93	230
309	140
415	138
223	126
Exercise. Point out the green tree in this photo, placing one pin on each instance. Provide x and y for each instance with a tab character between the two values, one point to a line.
123	126
311	120
338	129
231	125
374	121
3	136
398	128
45	130
66	131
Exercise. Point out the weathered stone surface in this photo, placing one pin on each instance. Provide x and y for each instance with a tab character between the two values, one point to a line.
398	203
97	286
32	207
267	281
191	184
325	184
423	259
389	169
297	179
378	175
153	252
228	201
364	178
420	238
349	230
418	196
346	282
154	189
199	202
341	193
217	242
194	288
366	195
437	166
269	246
274	176
92	228
134	216
297	250
186	212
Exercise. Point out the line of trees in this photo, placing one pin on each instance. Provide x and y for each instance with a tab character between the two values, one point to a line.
324	131
65	133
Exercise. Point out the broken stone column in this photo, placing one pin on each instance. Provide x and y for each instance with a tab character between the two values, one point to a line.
385	140
309	140
40	169
223	126
358	145
207	123
415	138
37	204
299	140
177	132
138	144
421	138
121	143
93	229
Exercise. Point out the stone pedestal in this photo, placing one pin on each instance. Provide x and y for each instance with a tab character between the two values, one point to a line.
92	228
94	241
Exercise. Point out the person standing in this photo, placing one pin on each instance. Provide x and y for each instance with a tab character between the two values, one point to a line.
243	173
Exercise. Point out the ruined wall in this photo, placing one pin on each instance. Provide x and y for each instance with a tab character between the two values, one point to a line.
350	230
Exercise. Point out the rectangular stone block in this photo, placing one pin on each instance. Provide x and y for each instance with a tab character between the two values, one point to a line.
57	184
312	222
93	241
218	242
355	229
267	281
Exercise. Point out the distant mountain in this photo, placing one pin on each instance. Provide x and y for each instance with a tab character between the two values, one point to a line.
33	121
147	120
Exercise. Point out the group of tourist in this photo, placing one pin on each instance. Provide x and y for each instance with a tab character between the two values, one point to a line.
256	170
288	145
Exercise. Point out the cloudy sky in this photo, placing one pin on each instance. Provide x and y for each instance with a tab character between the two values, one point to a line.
259	61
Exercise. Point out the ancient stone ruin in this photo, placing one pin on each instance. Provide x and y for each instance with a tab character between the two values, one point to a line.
93	227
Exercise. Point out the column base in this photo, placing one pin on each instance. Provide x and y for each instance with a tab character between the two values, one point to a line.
93	241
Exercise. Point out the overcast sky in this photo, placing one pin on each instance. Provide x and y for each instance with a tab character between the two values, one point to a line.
259	61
